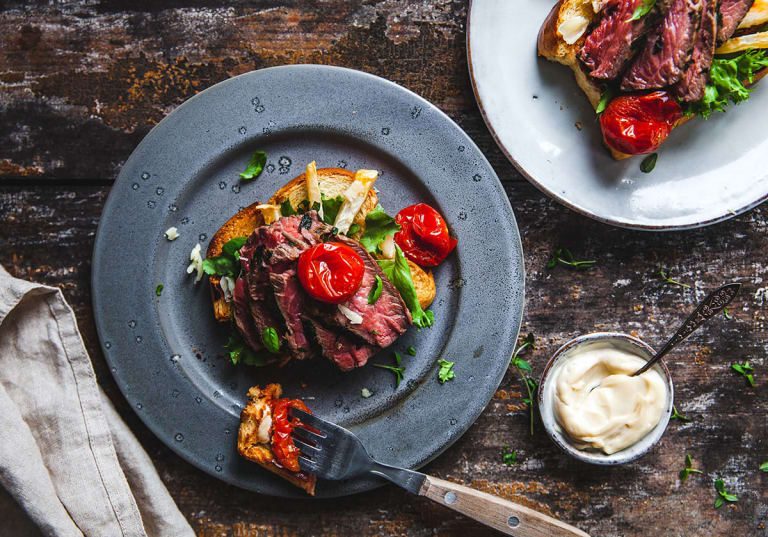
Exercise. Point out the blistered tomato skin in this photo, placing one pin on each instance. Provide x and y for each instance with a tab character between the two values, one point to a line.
637	124
286	452
331	272
424	237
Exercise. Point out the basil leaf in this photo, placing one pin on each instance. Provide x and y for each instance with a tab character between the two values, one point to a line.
286	209
232	246
240	352
642	10
159	290
331	208
718	502
271	340
378	226
649	163
399	273
220	266
375	293
255	166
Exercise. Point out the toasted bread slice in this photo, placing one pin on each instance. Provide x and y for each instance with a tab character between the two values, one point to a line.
424	282
250	440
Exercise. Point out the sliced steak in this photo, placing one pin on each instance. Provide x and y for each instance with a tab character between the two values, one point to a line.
341	350
668	49
290	298
732	12
610	47
242	314
694	80
384	320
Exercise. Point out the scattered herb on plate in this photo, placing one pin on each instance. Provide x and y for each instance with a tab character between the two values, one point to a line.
397	369
722	494
563	256
240	352
677	416
411	350
649	163
446	371
375	292
522	366
159	290
255	166
745	370
688	469
509	457
666	279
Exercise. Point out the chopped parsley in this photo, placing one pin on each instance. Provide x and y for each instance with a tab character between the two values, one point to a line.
509	457
446	371
375	293
159	290
563	256
398	369
255	166
228	263
722	494
688	469
745	370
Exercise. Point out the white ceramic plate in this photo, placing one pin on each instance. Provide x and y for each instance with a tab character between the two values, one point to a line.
707	171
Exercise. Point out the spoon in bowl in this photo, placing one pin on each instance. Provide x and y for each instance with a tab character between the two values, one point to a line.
708	308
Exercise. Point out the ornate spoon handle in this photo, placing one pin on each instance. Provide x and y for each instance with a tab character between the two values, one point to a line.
708	308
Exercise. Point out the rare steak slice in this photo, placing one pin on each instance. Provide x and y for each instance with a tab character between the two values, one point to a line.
290	296
241	313
343	351
732	12
694	80
610	47
668	49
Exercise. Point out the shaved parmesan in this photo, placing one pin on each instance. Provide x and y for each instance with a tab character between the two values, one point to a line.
757	15
313	188
171	233
269	213
744	42
354	197
354	318
227	285
573	28
196	263
366	393
264	426
387	247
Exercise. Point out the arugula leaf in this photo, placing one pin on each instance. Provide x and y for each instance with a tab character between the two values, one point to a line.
271	340
286	209
399	273
642	10
745	370
255	166
764	467
375	293
563	256
331	208
398	369
727	77
509	457
445	374
722	494
159	290
411	350
688	469
605	98
378	226
649	163
232	246
240	352
676	416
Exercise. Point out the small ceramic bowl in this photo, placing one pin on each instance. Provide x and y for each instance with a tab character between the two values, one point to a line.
546	395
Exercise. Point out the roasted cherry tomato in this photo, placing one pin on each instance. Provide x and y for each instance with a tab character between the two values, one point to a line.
636	124
331	272
424	236
285	451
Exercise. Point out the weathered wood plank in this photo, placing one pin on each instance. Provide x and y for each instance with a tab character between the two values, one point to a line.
46	235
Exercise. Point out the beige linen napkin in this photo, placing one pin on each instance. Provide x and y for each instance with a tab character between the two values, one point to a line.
67	459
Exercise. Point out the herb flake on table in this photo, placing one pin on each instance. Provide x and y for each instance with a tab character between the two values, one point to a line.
397	369
666	279
764	467
159	290
727	315
446	371
522	366
255	166
745	370
722	494
677	416
563	256
509	457
688	469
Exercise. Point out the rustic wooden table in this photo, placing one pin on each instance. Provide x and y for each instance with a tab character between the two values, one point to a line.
82	83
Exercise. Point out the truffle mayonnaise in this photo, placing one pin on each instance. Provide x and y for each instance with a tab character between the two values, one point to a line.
598	403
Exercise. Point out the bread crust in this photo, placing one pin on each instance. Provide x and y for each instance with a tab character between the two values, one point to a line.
249	446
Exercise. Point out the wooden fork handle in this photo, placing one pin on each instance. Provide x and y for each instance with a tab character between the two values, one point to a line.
502	515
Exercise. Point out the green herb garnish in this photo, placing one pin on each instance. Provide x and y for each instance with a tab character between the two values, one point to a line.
725	84
508	457
723	495
331	208
522	366
228	263
764	467
688	469
270	340
563	256
239	351
676	416
746	371
159	290
399	273
642	10
378	226
255	166
605	98
411	350
286	209
446	373
375	293
353	229
666	279
649	163
397	369
727	315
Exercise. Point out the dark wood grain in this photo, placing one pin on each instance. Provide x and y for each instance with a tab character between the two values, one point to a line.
81	83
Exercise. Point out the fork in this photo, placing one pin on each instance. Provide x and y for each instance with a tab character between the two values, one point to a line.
332	452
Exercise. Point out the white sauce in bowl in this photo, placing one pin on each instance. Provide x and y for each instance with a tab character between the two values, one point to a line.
600	406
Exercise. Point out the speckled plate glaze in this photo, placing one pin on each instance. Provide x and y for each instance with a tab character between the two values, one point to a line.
165	352
707	171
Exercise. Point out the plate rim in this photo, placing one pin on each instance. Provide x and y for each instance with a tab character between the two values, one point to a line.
155	427
555	196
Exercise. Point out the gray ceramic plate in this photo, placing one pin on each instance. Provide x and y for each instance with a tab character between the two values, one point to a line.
708	171
165	352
